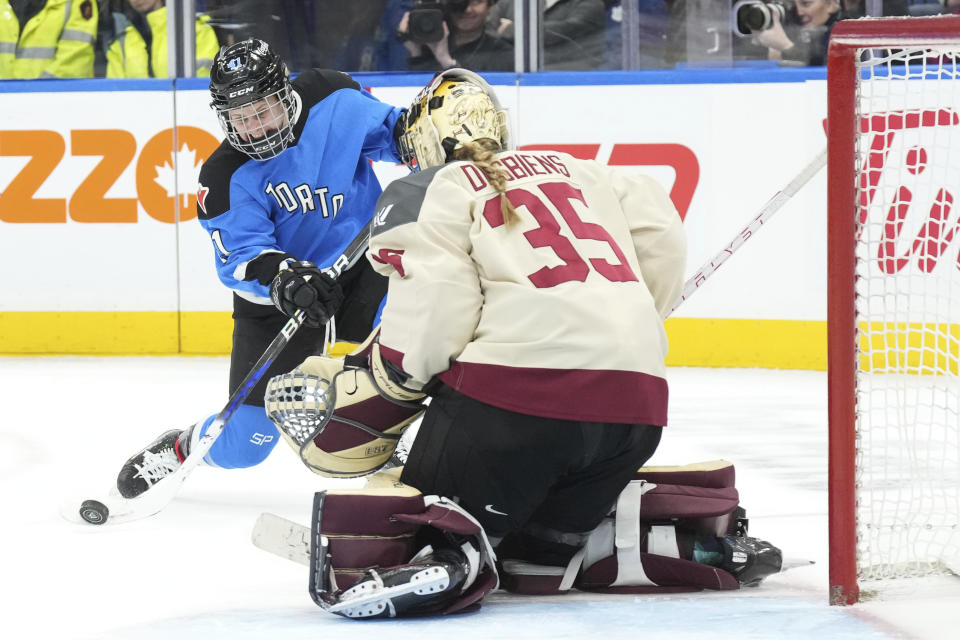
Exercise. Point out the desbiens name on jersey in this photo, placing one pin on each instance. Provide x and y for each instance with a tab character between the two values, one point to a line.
518	166
305	199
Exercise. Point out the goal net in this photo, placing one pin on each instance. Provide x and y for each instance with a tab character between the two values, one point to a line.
894	301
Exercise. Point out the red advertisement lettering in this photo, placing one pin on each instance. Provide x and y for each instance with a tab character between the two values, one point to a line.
935	234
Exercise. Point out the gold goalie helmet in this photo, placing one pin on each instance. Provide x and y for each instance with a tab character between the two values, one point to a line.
457	106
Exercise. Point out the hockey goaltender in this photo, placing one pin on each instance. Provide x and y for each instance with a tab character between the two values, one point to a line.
526	298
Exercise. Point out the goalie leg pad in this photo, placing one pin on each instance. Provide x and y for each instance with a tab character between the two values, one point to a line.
642	555
363	563
635	549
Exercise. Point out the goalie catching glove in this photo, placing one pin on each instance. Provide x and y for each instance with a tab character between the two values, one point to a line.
301	286
343	416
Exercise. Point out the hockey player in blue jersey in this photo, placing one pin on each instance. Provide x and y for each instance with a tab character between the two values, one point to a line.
282	197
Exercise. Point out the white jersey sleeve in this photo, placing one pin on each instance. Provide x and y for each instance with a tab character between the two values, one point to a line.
434	300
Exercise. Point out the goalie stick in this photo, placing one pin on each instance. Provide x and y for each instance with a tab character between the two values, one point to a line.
766	212
116	509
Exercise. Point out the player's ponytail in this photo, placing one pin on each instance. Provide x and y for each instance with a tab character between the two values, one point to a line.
481	153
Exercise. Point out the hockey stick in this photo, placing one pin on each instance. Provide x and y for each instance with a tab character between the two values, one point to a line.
766	212
117	509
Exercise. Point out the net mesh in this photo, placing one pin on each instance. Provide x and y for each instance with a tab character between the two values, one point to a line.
908	312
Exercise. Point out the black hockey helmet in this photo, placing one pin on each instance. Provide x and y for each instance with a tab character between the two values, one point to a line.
250	91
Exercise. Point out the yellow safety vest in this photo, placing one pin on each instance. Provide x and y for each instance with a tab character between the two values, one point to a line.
56	43
127	55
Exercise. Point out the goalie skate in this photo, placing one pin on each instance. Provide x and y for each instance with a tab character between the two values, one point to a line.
392	592
750	560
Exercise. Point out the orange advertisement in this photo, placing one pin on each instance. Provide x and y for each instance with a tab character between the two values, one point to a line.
166	166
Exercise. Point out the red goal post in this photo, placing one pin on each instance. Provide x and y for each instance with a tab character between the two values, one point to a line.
893	300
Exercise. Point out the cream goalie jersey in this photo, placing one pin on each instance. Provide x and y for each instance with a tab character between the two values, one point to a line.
519	315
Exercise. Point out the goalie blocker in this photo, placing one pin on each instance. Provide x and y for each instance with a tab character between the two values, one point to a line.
388	551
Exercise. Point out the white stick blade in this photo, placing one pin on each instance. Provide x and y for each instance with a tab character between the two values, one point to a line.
282	537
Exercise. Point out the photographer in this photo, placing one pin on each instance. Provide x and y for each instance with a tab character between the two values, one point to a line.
803	33
459	40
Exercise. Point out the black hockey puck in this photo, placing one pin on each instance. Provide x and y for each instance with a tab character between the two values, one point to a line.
94	511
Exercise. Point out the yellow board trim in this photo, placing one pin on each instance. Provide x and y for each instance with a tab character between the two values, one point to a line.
694	342
206	333
767	344
103	333
912	348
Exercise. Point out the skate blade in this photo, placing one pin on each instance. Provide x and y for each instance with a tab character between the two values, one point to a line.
368	598
794	563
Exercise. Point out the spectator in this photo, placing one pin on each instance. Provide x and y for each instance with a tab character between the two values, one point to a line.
41	39
464	43
361	36
290	27
951	6
804	35
653	18
858	8
389	52
573	32
140	51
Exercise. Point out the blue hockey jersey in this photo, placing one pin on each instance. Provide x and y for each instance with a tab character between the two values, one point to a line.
309	202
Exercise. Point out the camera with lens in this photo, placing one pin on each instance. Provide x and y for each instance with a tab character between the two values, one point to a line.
426	18
751	16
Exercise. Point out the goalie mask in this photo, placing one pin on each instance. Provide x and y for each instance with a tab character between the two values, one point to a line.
251	93
458	106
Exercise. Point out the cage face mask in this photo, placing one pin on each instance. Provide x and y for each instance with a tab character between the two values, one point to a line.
458	106
251	95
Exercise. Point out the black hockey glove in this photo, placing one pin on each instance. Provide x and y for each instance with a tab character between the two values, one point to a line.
301	286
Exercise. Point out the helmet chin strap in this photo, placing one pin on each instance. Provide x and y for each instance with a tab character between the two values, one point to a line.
448	145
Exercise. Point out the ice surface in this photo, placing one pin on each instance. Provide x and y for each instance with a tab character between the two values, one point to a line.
191	571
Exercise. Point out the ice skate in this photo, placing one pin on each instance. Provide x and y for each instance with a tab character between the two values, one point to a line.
750	560
159	459
424	586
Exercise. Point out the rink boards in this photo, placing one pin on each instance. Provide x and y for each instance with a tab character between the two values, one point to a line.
97	207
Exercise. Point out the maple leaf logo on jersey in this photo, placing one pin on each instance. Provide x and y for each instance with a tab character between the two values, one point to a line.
202	192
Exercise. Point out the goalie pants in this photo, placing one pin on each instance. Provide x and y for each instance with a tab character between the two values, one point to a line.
249	437
540	478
